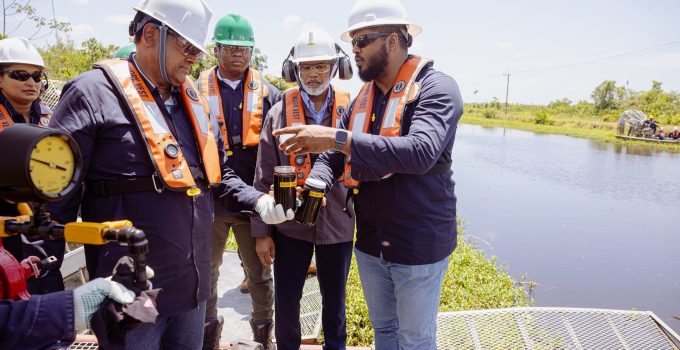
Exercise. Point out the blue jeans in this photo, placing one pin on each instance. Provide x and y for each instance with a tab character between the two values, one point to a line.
183	331
402	301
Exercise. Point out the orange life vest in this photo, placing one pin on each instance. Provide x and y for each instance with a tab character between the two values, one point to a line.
6	119
254	92
404	90
164	151
295	115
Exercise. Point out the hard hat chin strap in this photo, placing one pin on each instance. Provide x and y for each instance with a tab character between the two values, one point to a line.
162	52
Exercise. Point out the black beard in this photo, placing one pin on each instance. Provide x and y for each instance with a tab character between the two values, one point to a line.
376	66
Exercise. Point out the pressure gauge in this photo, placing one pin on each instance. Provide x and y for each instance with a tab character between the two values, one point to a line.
38	164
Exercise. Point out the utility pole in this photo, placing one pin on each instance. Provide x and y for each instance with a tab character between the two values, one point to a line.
507	89
56	28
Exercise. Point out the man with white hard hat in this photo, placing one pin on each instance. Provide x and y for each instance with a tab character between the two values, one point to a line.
314	61
396	155
150	155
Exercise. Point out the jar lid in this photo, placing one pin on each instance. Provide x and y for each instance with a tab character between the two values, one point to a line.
316	184
284	169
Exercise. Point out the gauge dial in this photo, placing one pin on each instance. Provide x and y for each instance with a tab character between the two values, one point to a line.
52	165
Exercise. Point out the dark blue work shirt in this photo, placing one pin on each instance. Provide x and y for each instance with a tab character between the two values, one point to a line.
42	322
36	111
409	217
176	225
243	159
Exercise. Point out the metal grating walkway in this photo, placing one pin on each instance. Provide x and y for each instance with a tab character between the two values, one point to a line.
553	328
51	96
310	310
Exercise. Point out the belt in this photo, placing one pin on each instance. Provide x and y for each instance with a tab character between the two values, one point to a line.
105	188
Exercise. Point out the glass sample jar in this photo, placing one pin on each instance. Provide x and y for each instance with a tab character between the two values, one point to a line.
312	195
284	186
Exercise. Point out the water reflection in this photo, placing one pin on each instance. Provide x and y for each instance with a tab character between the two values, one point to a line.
592	223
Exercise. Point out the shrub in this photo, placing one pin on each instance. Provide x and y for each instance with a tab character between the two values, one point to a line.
543	118
489	114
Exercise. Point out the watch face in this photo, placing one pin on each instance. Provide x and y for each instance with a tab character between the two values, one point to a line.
52	165
341	136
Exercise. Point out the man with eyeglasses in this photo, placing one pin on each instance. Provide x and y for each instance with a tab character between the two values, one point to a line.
396	155
239	98
314	61
151	155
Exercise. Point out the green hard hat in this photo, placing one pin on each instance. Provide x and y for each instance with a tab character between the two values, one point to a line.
235	30
125	51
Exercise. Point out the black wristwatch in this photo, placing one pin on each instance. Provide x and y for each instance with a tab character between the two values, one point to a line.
340	140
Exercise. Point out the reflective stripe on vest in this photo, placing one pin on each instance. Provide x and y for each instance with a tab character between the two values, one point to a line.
404	90
254	92
295	115
6	119
165	153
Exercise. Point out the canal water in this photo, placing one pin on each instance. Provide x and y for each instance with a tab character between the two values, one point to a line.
595	225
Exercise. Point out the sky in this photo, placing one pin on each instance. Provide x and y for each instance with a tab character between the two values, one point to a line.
552	49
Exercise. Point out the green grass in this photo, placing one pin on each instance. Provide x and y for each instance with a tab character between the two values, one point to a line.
561	124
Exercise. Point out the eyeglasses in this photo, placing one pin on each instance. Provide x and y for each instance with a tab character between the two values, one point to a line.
232	50
318	68
188	49
22	75
364	40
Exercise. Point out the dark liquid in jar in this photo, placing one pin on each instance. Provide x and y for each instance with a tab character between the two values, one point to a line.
308	212
284	189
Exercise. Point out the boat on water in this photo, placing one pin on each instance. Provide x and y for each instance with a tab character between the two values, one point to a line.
647	139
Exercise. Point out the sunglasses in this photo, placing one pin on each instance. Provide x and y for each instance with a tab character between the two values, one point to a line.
364	40
232	50
22	75
188	49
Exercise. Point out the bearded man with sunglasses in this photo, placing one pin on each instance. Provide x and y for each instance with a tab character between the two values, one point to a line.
22	79
151	155
396	155
239	98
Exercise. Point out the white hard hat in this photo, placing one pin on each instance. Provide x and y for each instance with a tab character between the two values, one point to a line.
188	18
314	45
675	128
372	13
19	50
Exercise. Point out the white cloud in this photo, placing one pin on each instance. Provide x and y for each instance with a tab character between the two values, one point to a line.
119	19
291	20
521	55
669	60
504	45
82	2
81	32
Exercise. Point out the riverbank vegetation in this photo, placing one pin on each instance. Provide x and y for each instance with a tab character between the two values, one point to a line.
472	282
596	119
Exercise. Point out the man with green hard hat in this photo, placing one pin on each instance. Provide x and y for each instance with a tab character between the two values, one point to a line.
239	98
125	51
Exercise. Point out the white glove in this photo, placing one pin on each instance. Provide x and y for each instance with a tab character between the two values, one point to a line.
272	213
88	297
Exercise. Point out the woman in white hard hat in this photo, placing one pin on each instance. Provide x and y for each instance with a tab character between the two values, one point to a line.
21	78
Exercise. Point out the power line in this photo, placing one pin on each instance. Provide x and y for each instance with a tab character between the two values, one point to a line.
629	53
